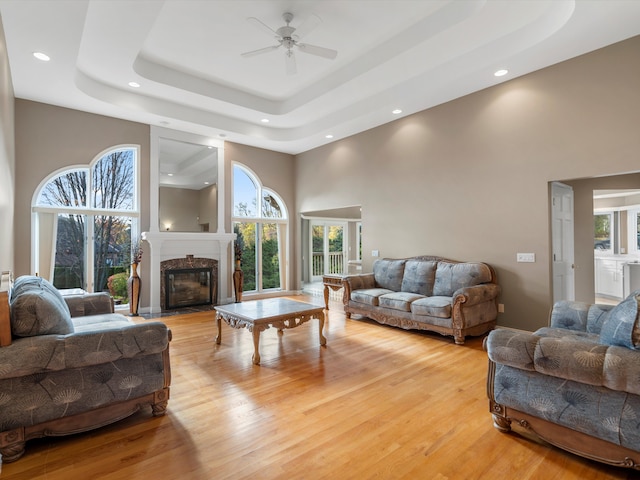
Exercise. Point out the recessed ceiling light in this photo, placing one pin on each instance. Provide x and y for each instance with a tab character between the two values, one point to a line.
134	84
41	56
501	73
328	136
206	183
164	122
397	111
265	120
222	135
170	174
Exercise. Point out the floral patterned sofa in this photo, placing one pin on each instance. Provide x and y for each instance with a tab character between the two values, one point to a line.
69	364
576	383
426	293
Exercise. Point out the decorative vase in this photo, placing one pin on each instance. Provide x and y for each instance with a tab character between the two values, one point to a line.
238	280
133	289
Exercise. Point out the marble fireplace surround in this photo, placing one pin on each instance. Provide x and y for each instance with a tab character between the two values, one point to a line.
177	245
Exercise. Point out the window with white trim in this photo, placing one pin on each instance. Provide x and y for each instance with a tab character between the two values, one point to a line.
261	224
85	219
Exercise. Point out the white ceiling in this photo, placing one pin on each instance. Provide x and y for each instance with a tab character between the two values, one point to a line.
185	54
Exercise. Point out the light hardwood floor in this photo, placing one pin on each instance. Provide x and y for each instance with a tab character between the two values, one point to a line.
377	402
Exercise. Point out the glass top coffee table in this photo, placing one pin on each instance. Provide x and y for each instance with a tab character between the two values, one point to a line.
258	315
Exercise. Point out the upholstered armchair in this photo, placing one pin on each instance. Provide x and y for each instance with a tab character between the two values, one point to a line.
71	364
576	383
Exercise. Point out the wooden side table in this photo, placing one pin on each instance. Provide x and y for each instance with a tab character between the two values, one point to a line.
333	282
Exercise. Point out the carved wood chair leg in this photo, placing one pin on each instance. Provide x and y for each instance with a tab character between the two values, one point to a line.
160	402
11	453
159	409
500	423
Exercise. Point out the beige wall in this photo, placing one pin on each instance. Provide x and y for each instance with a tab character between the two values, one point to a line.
469	179
49	138
208	207
179	207
7	159
188	210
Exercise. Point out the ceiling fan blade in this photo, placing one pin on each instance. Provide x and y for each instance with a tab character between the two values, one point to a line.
319	51
259	51
310	24
290	63
262	26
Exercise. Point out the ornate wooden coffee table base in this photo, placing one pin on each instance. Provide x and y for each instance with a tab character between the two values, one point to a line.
258	315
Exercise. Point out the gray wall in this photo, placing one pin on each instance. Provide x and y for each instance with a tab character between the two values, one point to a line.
7	159
469	179
49	138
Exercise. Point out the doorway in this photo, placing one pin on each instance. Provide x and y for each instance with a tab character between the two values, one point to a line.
328	249
584	235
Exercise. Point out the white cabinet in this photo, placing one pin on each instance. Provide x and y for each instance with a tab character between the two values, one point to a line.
631	277
609	277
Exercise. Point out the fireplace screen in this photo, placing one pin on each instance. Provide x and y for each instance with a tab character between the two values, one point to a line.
188	287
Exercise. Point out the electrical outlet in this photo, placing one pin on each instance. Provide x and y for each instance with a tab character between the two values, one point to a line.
375	253
501	308
526	257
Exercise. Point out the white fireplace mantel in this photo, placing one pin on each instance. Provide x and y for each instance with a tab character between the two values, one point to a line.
170	245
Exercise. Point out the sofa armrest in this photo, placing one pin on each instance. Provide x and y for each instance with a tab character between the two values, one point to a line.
476	294
579	316
89	304
357	282
42	353
511	347
569	315
569	356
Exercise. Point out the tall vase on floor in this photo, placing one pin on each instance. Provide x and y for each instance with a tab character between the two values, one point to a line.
133	289
238	281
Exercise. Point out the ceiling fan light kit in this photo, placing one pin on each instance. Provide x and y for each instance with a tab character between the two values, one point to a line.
289	37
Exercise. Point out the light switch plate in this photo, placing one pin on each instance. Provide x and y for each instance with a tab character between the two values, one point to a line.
375	253
526	257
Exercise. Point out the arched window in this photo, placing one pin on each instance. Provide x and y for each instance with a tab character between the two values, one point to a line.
260	223
99	202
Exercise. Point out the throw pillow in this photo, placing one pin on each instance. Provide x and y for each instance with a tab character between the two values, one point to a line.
388	273
419	277
37	308
452	276
621	326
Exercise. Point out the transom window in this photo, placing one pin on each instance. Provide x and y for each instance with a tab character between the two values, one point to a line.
85	220
260	223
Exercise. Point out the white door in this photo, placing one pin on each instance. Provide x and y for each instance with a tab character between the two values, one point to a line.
562	240
328	251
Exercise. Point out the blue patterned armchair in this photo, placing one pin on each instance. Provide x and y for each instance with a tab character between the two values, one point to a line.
69	364
576	383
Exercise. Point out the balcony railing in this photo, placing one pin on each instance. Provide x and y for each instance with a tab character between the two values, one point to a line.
336	264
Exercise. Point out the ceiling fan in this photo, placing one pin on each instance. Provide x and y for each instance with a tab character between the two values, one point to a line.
286	38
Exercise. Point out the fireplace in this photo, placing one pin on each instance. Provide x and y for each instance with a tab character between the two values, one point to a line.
188	287
188	282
